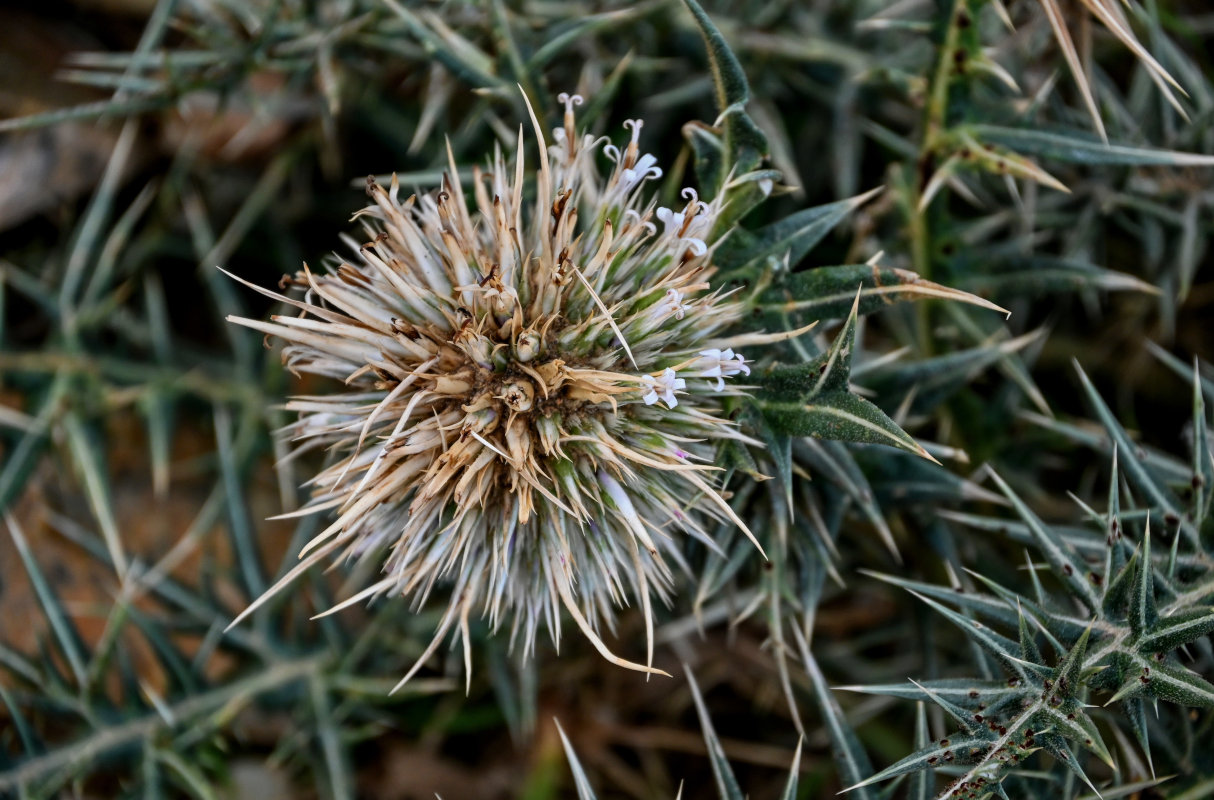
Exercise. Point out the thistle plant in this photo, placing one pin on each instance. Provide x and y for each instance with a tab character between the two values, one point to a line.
1127	622
533	389
1047	157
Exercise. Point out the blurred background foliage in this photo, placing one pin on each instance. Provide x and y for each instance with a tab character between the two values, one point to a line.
1053	156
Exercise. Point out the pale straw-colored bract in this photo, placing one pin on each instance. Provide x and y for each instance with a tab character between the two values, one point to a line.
532	390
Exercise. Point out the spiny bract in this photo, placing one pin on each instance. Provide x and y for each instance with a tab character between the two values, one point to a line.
533	390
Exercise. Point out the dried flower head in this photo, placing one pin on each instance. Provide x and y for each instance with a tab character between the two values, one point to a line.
532	389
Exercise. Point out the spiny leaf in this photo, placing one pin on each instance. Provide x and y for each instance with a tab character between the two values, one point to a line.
1040	274
189	777
1164	467
1070	721
981	604
734	456
960	692
955	749
1003	648
1181	686
464	59
924	781
727	784
1170	682
67	637
1053	624
1028	646
850	759
20	460
1079	148
998	161
1068	670
1135	468
1078	539
1064	561
580	29
1114	557
840	416
835	370
87	454
1185	371
1142	614
838	463
25	732
788	239
952	368
963	718
1135	714
1056	746
789	382
1134	790
743	145
1203	455
584	791
1183	627
243	540
936	379
824	408
790	788
829	292
1114	20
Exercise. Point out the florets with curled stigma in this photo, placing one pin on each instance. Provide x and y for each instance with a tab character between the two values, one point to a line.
532	390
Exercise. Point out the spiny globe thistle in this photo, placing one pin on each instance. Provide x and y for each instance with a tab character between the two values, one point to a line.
532	390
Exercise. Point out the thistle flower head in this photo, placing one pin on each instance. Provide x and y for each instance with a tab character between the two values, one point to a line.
532	370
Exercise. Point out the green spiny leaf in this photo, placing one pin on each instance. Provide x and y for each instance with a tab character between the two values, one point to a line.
743	145
727	784
1188	373
839	464
980	604
1052	623
788	239
790	382
1142	614
1056	746
87	453
1135	714
1114	554
827	409
25	732
1079	148
924	780
1028	645
1042	274
1068	671
938	753
835	371
829	292
790	788
1001	647
1064	561
840	416
1203	455
1175	631
962	694
850	759
1170	682
1135	468
584	791
67	637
